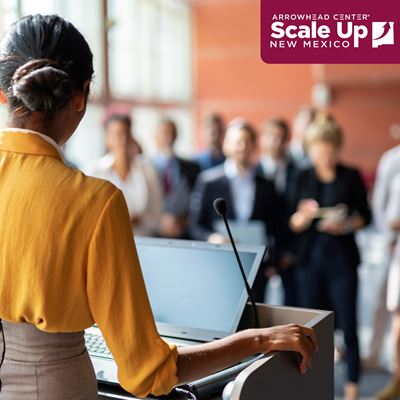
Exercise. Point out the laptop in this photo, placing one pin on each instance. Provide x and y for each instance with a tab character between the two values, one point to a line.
249	232
196	294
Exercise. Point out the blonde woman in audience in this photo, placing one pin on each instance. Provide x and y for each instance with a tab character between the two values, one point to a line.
132	174
330	204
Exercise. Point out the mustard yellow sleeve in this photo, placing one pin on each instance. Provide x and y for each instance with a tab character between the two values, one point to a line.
119	304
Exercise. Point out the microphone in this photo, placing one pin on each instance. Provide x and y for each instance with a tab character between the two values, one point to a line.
220	208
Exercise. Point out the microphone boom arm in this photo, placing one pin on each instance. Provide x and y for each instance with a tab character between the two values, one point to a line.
248	289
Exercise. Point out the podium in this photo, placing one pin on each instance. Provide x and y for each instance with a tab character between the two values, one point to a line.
276	376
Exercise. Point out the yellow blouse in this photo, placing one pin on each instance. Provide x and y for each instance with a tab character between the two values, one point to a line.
68	260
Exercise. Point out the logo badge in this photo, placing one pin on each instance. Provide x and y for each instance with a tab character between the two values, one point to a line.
339	32
382	33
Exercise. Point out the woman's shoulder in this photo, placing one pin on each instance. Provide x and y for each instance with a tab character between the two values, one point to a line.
86	189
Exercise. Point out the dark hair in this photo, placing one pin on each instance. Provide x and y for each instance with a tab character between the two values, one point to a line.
43	59
242	124
172	125
214	119
278	123
122	118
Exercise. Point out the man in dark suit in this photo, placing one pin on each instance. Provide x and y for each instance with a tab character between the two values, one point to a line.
277	165
177	177
249	196
213	129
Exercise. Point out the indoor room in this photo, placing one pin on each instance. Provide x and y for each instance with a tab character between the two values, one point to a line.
180	215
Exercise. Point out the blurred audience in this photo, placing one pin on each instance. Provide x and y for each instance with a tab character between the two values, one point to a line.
277	166
213	130
330	204
297	149
249	196
388	168
132	174
177	178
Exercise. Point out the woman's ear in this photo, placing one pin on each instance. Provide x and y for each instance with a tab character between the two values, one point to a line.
81	97
3	98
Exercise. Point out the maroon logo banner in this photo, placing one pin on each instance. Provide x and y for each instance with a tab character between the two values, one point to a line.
336	32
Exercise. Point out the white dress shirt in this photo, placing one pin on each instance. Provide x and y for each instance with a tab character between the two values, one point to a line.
141	189
243	188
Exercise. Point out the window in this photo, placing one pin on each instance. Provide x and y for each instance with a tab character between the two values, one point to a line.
142	59
87	16
157	64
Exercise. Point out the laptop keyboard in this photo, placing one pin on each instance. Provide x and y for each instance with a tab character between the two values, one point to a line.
96	346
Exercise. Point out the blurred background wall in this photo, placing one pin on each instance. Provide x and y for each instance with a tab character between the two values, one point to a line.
185	58
231	77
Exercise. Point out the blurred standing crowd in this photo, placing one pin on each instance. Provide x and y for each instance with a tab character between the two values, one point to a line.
286	188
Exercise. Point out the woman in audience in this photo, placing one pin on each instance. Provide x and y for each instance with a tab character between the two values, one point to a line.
330	204
68	258
132	174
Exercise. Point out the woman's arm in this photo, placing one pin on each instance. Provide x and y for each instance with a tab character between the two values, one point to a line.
118	302
302	218
301	209
198	361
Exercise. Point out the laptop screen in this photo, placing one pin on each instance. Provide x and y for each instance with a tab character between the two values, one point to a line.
195	287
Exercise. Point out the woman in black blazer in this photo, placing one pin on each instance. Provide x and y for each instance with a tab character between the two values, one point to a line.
329	204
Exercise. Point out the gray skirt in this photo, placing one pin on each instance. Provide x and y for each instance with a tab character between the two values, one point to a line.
45	366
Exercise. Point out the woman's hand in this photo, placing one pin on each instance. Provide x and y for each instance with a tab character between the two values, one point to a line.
201	360
302	218
291	338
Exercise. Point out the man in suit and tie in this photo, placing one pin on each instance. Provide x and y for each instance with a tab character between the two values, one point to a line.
213	129
250	197
277	166
177	177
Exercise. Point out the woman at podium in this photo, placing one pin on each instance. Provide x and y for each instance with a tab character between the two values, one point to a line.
67	255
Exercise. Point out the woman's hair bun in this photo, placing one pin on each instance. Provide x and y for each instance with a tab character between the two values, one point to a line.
41	86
